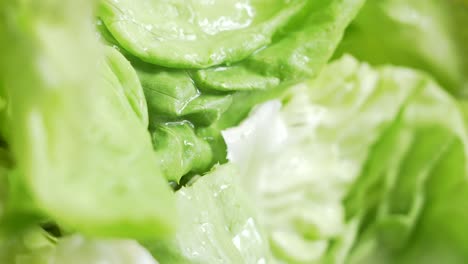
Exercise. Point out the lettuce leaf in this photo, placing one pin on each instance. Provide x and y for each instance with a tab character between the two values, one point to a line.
422	34
77	124
35	247
180	150
186	81
217	224
195	34
359	165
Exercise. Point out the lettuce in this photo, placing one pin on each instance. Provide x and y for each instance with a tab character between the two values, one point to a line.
76	125
360	164
204	78
421	34
217	224
106	105
215	220
195	34
35	247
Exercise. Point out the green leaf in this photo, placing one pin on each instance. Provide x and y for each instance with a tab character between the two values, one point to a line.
422	34
217	224
351	166
28	246
34	247
233	78
172	95
301	51
79	143
77	250
6	165
195	34
129	82
180	150
219	97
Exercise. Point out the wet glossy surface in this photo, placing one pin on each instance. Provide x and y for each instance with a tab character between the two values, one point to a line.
217	222
180	33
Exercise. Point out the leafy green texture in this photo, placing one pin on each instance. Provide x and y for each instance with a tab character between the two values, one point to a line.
195	34
234	78
80	142
301	50
296	182
298	49
172	95
5	168
357	165
425	34
36	247
176	110
217	224
221	96
129	83
28	246
180	150
360	164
